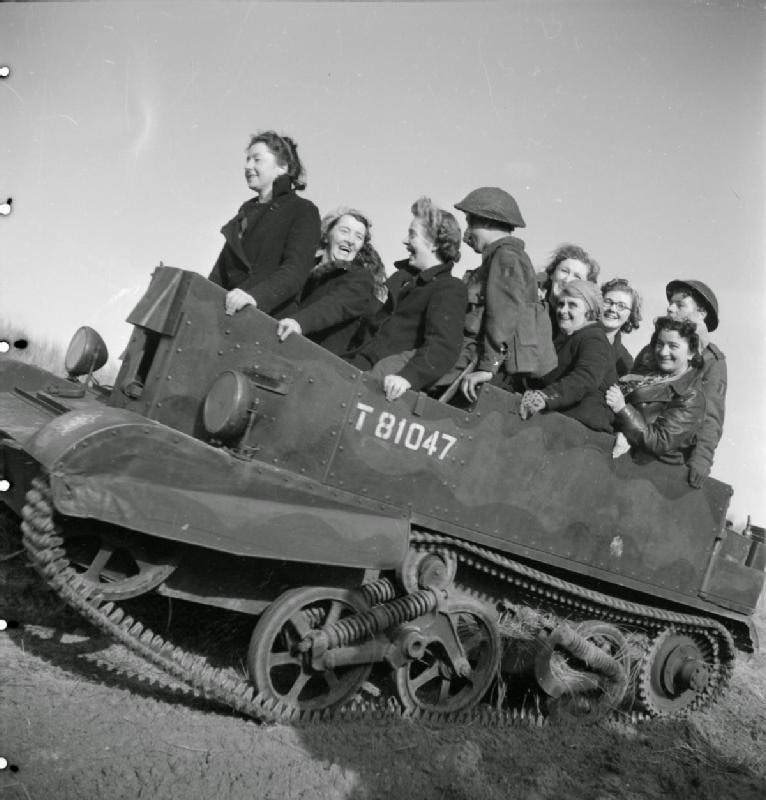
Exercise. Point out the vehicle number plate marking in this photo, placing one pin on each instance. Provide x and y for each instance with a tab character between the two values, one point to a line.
412	435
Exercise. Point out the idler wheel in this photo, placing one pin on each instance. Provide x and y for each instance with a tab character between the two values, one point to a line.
676	672
123	564
427	570
431	683
282	671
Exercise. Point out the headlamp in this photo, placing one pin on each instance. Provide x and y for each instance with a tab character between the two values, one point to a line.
86	353
228	406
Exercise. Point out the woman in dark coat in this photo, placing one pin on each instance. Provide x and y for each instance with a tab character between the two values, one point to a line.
416	338
271	243
661	413
346	284
622	314
586	368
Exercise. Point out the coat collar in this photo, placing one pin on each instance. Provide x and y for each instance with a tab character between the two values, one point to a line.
562	337
666	390
430	274
326	267
511	241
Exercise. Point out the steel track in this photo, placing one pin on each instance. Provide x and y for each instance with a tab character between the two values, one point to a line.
44	544
570	600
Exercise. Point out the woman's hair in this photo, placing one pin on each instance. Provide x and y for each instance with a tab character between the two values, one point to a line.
622	285
285	151
367	256
686	330
441	227
564	252
589	294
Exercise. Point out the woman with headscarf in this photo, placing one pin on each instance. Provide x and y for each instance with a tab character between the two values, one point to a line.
271	242
569	262
577	386
347	283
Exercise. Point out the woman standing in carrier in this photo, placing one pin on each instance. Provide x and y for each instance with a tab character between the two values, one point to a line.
271	242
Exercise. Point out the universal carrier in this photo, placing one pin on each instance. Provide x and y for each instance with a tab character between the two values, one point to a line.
442	556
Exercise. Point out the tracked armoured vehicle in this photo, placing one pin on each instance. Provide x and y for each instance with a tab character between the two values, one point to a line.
440	546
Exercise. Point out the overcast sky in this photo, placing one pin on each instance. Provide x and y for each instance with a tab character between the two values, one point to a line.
632	128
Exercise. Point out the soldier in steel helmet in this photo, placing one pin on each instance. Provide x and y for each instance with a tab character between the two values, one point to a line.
695	301
506	325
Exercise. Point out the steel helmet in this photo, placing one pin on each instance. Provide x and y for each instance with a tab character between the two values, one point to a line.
702	293
492	203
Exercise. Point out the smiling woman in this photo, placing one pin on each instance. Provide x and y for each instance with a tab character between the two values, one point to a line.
577	386
270	244
622	314
343	286
416	338
660	413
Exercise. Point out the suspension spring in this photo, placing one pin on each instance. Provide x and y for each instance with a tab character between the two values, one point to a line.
379	591
379	618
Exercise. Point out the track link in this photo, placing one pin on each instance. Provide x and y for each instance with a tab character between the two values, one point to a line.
570	600
44	544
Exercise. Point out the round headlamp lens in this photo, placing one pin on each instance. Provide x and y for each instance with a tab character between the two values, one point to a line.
86	352
226	408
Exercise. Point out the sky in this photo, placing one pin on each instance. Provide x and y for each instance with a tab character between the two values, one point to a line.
635	129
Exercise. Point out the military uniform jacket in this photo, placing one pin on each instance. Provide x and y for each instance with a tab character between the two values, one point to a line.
663	419
269	249
515	329
713	382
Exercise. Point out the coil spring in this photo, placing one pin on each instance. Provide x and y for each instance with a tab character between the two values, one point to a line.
379	591
379	618
315	616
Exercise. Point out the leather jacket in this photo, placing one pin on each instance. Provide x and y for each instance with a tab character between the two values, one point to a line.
663	419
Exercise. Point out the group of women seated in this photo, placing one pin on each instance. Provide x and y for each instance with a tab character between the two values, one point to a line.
325	280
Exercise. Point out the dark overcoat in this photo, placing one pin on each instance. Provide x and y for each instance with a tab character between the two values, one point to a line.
270	249
663	419
335	297
577	387
713	381
424	312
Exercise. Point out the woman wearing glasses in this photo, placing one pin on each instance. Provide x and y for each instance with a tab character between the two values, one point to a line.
622	314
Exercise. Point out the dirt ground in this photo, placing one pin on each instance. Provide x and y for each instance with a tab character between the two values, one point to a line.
80	719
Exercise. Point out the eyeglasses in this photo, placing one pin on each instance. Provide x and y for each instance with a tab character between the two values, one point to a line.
620	306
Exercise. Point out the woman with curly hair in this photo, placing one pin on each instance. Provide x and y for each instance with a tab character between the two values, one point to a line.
417	335
660	414
622	314
344	285
271	242
568	263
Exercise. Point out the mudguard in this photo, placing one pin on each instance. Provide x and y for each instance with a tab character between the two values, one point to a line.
113	465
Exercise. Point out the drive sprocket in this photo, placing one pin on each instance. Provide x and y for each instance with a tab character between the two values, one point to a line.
678	672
